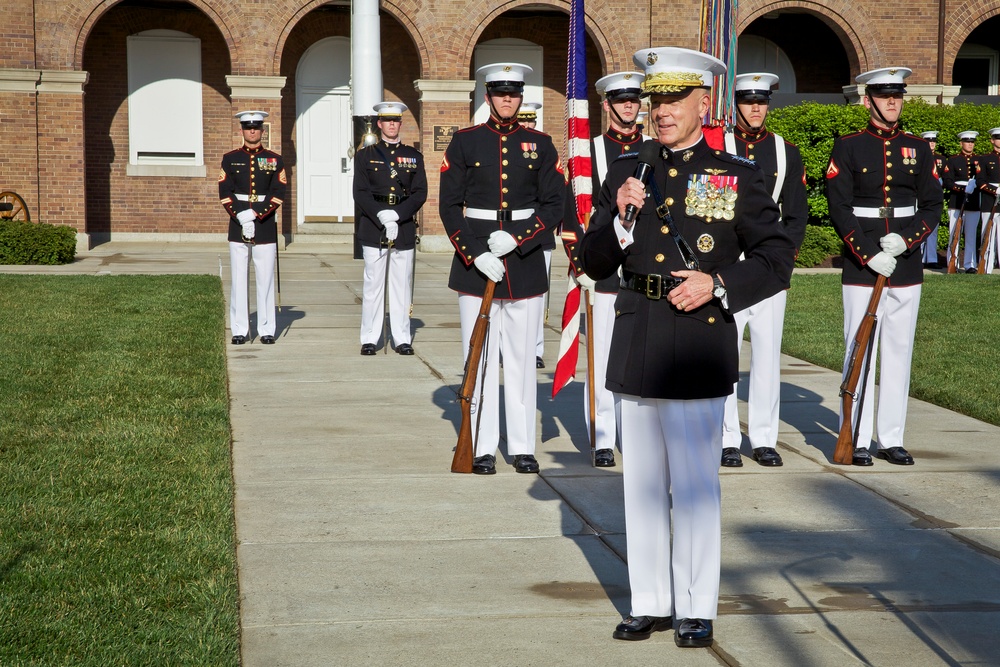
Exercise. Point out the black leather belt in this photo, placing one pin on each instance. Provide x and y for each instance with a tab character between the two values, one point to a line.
390	199
654	286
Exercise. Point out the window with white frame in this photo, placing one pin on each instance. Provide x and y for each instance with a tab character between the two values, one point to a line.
164	99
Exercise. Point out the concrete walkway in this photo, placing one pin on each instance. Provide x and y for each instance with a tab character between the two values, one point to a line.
357	546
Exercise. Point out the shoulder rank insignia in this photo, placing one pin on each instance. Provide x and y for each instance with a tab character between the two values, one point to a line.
222	175
743	160
711	197
832	169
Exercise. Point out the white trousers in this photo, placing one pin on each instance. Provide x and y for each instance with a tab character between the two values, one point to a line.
766	321
991	250
670	454
263	271
540	344
930	247
513	327
897	321
606	423
373	299
969	224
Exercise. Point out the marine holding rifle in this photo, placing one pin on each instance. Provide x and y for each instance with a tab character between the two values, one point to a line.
501	196
390	186
959	179
673	358
885	199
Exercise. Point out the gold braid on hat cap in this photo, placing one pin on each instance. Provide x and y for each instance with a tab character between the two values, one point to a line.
671	82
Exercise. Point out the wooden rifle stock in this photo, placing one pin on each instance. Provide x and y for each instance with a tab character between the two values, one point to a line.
844	451
462	461
987	234
956	237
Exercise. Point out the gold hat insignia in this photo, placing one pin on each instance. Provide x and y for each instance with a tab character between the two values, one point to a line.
651	58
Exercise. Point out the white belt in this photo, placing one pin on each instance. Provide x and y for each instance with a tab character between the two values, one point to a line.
962	183
885	211
995	185
491	214
256	198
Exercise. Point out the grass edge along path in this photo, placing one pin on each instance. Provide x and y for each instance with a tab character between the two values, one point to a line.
956	356
117	536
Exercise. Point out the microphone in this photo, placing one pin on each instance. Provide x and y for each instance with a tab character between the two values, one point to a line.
647	154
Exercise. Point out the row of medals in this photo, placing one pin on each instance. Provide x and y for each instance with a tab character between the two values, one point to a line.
708	201
533	155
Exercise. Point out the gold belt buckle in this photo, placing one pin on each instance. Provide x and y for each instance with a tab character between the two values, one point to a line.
393	199
884	211
658	291
252	199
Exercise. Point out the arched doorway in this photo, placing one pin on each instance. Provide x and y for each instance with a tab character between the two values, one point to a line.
977	65
323	132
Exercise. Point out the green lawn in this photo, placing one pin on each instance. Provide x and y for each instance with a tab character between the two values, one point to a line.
956	360
117	542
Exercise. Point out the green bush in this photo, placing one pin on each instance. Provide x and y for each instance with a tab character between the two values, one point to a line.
813	127
36	243
818	244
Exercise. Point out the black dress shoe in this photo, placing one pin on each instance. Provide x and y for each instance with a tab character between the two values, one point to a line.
239	340
731	458
633	628
862	457
970	270
604	458
694	633
525	463
896	455
267	340
539	363
368	350
405	349
484	465
767	456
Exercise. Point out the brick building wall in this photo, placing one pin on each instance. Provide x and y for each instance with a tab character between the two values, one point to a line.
68	151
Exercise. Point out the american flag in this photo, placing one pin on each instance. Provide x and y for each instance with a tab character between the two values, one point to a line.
578	147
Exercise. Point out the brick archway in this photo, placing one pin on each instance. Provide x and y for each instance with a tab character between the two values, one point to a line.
83	17
960	25
842	16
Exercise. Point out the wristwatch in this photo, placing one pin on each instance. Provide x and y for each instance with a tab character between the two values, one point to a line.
718	289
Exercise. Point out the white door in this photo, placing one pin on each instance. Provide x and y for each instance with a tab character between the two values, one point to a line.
326	173
324	132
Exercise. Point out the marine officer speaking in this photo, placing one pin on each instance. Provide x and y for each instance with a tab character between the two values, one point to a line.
884	196
673	357
252	185
501	196
785	178
390	186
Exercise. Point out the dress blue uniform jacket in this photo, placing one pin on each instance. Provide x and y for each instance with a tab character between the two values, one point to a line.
961	168
259	174
373	175
987	172
501	167
658	351
882	168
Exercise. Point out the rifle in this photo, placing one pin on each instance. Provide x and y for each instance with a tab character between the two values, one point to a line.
956	236
592	399
462	461
850	393
987	238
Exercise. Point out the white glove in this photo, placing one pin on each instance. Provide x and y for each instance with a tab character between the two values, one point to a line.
587	284
971	187
491	266
893	244
246	216
391	230
883	264
388	215
249	229
501	243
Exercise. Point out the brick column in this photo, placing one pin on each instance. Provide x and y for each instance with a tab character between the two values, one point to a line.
263	93
18	130
445	105
62	198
